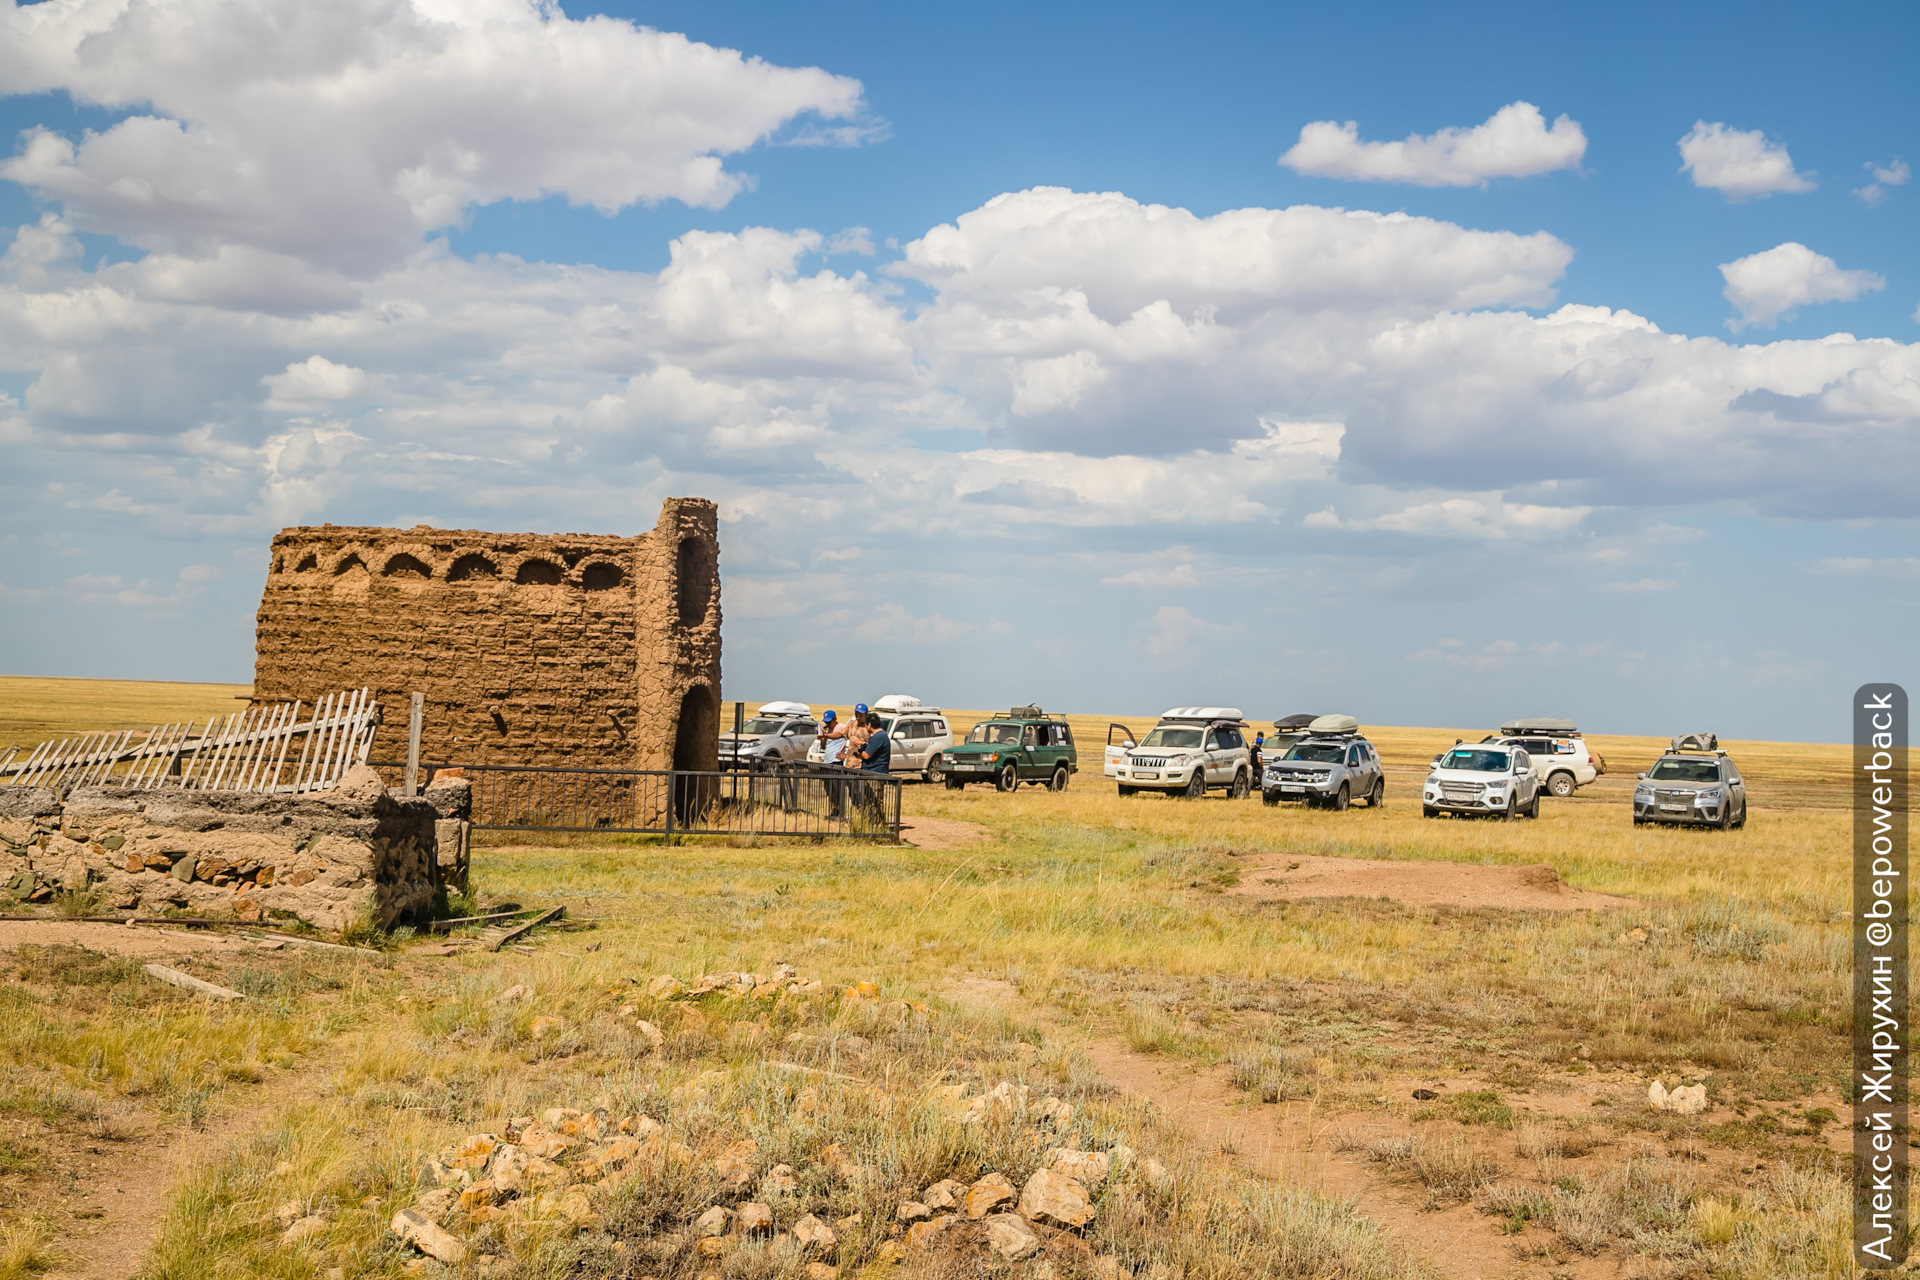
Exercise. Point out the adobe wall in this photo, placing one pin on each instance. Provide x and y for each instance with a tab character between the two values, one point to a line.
576	649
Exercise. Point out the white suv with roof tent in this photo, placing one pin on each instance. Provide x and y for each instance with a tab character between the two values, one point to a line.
1191	751
1559	754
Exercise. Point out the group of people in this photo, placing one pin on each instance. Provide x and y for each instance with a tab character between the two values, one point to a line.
859	743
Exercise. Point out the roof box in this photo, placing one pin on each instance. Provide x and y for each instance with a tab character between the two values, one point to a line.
1334	724
784	709
1295	723
1539	724
896	703
1203	713
1697	742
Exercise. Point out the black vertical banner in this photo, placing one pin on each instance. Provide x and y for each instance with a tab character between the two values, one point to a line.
1880	1033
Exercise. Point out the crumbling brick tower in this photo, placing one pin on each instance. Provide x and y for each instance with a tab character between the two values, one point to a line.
570	649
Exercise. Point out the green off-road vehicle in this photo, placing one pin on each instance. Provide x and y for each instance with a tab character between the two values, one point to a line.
1024	745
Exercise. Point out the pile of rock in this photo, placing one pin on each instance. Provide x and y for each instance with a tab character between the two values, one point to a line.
784	980
331	858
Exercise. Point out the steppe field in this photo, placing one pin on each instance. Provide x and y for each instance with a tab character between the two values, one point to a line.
1361	1045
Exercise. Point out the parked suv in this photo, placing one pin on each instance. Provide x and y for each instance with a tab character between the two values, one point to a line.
1486	779
1560	755
1695	782
777	733
1024	745
1191	750
1329	768
918	734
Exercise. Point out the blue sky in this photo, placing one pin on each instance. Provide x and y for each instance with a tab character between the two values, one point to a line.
980	431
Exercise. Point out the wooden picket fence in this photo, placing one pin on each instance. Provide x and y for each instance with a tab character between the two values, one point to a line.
251	750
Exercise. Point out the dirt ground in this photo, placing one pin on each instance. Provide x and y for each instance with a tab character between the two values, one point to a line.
1434	884
123	940
943	833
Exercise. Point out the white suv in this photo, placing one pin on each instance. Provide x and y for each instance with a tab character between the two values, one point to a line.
1490	779
1191	750
1560	755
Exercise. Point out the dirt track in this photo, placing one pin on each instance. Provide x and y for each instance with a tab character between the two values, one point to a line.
1426	884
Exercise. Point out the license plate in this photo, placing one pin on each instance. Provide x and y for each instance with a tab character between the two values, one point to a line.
1153	776
1673	808
1292	791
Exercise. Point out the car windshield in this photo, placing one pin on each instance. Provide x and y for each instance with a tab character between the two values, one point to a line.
1318	752
1163	736
1686	771
1477	759
996	734
760	726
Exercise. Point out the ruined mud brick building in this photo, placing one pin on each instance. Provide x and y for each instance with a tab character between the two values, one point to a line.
569	649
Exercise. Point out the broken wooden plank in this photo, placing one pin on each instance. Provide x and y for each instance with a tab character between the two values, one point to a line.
497	915
191	983
494	941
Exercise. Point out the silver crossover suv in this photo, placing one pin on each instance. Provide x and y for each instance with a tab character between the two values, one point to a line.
1329	768
780	733
1691	785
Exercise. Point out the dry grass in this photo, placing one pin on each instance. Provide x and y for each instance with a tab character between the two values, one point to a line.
1110	914
35	708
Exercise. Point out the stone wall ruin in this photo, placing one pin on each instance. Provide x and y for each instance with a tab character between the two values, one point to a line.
563	649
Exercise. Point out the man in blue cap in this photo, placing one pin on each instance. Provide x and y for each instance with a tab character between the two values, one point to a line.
833	750
875	755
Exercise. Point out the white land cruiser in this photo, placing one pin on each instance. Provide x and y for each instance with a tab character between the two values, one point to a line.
1560	755
1191	750
1487	778
918	734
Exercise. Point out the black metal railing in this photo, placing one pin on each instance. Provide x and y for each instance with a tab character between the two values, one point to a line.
792	800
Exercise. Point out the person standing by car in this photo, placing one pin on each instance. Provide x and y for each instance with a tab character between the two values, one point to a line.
876	756
833	750
1259	743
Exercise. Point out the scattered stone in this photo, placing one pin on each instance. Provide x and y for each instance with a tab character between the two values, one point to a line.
1155	1173
1011	1238
435	1204
711	1246
1108	1267
1055	1112
518	991
890	1253
847	1223
815	1236
714	1222
666	987
304	1228
1424	1095
921	1233
1089	1168
944	1194
289	1212
655	1036
912	1211
819	1271
990	1193
427	1236
840	1164
1684	1100
755	1219
737	1163
544	1027
538	1140
474	1152
780	1181
1055	1199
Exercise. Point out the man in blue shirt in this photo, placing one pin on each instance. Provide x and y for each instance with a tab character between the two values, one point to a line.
875	757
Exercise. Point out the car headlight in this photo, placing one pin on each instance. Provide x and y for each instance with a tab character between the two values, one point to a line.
1711	796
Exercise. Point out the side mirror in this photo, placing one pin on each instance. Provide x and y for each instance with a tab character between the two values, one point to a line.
1128	744
1642	777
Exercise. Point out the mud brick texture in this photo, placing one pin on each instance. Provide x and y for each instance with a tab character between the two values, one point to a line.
568	649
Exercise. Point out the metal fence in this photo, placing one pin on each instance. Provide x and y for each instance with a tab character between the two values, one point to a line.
793	800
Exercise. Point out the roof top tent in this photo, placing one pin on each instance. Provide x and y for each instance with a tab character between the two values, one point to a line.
1333	726
783	709
1542	725
1203	715
1700	742
895	703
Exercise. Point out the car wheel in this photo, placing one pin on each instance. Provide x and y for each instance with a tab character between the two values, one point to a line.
1126	790
1269	797
953	783
1428	811
1196	785
1533	806
1341	799
1741	821
1639	822
1726	815
1059	780
1561	784
1009	779
1241	785
1378	796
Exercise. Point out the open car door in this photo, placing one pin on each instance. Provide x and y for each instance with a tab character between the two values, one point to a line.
1120	740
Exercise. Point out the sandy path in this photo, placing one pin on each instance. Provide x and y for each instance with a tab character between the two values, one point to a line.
1426	884
118	939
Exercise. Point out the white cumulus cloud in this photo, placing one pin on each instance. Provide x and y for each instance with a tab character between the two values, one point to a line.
315	379
1884	176
1514	142
1741	166
339	133
1764	287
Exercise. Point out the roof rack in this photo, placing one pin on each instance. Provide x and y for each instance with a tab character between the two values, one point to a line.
1031	713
